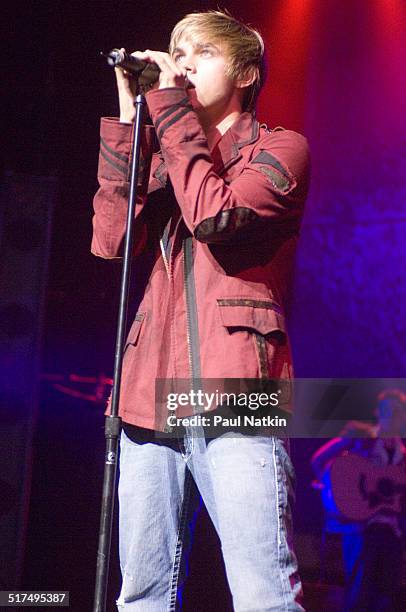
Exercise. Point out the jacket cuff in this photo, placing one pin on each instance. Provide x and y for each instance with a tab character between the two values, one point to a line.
115	151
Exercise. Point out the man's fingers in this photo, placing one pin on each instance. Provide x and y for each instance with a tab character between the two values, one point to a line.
142	55
121	73
171	74
163	60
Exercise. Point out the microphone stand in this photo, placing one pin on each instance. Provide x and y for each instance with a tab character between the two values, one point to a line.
113	421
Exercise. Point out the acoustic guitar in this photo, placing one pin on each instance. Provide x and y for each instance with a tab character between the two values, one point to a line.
360	489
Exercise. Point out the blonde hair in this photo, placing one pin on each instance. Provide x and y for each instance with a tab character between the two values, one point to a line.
243	45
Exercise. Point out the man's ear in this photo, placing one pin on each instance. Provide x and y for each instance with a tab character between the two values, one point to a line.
247	79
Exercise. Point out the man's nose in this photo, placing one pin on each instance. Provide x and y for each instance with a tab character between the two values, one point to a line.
189	64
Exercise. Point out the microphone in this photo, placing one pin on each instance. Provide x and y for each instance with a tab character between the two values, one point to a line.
146	73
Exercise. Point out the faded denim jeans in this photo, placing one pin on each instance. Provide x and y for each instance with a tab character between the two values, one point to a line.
246	483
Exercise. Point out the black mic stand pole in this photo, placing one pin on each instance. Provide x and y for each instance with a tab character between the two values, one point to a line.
113	421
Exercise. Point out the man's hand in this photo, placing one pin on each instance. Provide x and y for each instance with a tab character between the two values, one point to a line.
171	75
126	93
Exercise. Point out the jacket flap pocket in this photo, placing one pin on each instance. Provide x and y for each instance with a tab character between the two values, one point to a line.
259	315
135	328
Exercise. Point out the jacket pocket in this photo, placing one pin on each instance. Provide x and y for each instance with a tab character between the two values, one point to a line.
263	316
264	321
135	330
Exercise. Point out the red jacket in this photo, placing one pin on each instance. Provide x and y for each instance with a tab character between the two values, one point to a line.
222	240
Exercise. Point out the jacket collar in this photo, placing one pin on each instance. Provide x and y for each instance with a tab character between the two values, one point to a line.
243	132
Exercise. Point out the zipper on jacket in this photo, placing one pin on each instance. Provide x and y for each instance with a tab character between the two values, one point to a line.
166	261
167	428
165	241
168	266
192	329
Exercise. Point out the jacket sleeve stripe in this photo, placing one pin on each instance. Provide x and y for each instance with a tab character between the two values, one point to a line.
116	166
120	156
172	109
173	120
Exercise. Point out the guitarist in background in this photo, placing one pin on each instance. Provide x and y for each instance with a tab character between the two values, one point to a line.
372	549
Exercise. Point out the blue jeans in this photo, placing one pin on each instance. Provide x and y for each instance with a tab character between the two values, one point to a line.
245	482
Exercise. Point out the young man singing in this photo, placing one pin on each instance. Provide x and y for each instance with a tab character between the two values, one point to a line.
219	210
